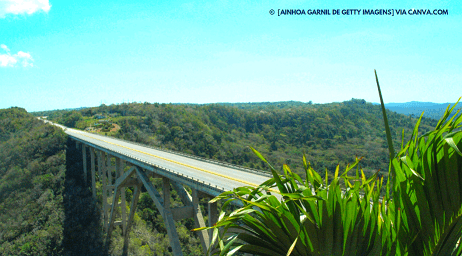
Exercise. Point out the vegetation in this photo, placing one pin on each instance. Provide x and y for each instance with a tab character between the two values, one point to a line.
45	209
427	174
329	134
32	173
420	214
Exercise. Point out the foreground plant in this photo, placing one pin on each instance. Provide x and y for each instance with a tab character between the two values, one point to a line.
427	190
420	214
313	217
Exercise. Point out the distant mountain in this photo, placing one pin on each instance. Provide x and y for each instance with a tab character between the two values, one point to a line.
430	109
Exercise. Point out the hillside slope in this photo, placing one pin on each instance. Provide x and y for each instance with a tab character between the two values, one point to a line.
44	210
329	134
32	173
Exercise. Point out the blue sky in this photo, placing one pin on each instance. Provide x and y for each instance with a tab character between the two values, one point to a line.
68	54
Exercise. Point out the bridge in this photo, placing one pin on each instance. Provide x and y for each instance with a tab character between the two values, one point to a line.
119	164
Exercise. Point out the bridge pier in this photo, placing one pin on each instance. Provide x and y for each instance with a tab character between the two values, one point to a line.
213	217
136	197
84	155
119	173
93	175
109	192
199	221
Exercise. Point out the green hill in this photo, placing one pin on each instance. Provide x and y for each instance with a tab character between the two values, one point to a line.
32	173
329	134
45	209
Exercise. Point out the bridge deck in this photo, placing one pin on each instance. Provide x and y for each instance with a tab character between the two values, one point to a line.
223	177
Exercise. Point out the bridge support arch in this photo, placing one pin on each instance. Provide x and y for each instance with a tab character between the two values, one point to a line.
109	170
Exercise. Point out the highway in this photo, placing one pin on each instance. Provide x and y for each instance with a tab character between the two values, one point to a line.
217	175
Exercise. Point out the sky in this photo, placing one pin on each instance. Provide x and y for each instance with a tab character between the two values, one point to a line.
71	54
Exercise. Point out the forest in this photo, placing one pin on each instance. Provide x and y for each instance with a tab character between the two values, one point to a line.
416	211
32	177
46	210
329	134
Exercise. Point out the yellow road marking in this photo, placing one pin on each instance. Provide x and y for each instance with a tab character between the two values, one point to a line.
175	162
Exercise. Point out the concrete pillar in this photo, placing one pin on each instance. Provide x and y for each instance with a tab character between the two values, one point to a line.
98	159
110	225
166	192
109	170
213	217
119	171
136	195
109	187
171	232
199	221
84	156
104	183
93	173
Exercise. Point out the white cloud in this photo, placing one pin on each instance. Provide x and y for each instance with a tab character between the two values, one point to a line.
23	6
4	47
7	60
22	58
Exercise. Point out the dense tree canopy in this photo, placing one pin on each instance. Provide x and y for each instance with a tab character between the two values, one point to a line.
45	209
32	167
329	134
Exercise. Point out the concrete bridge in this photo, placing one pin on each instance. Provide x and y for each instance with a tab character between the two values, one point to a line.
106	159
